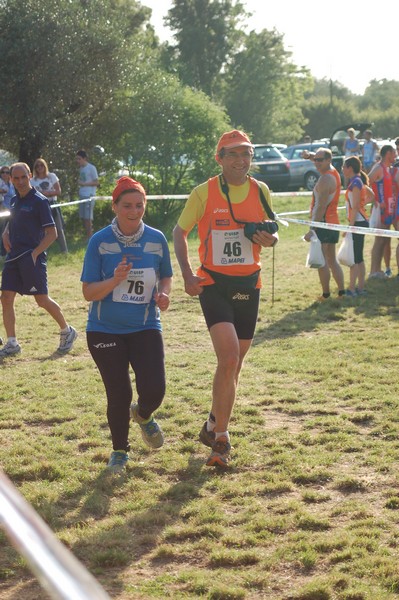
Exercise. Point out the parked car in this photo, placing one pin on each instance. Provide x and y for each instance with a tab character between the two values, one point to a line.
278	146
303	172
270	166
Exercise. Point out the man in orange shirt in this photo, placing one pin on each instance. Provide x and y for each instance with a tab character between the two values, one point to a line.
324	209
227	282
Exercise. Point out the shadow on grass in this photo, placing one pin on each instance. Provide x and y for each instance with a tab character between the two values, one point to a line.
381	300
107	551
128	540
302	321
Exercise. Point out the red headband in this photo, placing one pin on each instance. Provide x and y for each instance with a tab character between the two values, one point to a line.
127	183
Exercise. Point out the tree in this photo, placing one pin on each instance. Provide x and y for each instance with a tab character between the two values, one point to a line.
328	88
325	115
62	61
380	94
263	91
207	32
166	133
165	128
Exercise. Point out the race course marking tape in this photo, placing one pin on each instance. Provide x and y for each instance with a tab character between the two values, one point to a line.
284	216
350	228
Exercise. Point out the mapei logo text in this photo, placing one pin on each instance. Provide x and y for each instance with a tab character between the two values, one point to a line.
104	345
220	210
239	296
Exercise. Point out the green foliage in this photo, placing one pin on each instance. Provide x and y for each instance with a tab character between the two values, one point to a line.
385	123
328	88
263	91
207	33
381	95
62	62
331	105
326	114
166	134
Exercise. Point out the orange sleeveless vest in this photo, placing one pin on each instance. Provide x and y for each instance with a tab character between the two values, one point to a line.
331	214
362	206
223	246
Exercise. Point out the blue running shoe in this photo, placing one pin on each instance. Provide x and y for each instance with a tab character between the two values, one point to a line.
117	461
151	432
10	349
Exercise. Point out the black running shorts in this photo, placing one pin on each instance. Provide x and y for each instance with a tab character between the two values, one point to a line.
230	303
327	236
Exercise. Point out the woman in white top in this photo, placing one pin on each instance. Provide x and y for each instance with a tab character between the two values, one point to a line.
48	184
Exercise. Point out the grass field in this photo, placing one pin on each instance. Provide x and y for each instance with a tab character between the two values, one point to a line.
310	507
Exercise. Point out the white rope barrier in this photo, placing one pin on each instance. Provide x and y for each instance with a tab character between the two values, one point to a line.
285	215
351	228
58	571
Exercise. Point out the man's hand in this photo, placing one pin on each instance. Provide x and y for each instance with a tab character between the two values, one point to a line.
6	240
265	239
193	284
308	155
34	256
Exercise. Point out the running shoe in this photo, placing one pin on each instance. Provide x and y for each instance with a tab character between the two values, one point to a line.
66	340
377	275
361	292
350	294
323	298
388	272
151	432
10	349
220	455
207	437
117	461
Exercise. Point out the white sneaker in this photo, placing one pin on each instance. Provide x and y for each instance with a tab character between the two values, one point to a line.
66	340
10	349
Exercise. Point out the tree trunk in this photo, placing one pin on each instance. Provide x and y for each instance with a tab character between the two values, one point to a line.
29	151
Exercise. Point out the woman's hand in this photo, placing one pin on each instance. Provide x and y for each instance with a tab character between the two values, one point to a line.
122	270
162	300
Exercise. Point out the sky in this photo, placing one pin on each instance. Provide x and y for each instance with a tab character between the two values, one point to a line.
338	40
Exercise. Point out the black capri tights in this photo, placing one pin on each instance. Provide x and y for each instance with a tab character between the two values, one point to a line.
358	242
113	353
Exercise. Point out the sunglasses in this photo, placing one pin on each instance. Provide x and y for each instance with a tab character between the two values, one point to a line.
319	159
4	172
